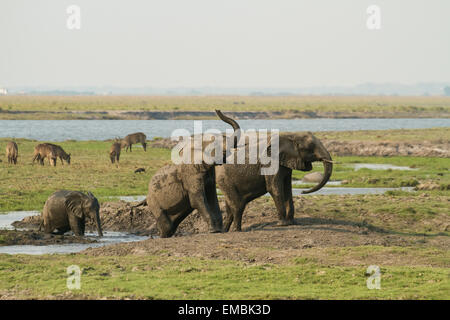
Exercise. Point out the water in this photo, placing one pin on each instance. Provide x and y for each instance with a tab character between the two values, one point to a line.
8	218
60	130
109	237
353	191
298	191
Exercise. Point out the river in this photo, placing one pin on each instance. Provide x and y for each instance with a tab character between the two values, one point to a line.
60	130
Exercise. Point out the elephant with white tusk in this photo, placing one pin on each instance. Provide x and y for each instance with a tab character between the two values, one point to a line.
242	183
67	210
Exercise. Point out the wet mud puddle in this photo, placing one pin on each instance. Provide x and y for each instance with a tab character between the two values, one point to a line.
109	237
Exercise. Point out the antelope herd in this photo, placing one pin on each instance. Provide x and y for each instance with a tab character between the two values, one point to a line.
53	151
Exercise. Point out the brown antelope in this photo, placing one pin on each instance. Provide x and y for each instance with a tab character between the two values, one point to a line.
12	152
42	151
114	152
133	138
59	152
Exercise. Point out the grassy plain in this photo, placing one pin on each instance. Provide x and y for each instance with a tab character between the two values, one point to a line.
162	277
417	269
85	107
27	186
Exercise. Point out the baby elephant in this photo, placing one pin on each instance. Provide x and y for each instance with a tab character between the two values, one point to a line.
67	210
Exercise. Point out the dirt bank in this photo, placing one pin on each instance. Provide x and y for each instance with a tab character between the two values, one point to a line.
15	237
319	224
438	148
187	115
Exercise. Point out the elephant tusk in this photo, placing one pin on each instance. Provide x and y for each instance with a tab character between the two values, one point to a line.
330	161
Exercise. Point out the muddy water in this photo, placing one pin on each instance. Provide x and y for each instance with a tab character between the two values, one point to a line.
110	237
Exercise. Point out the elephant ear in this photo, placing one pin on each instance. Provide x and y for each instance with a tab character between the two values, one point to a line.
289	155
74	203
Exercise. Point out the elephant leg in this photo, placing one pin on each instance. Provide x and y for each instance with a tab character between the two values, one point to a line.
77	225
165	226
277	193
200	203
288	202
228	220
237	211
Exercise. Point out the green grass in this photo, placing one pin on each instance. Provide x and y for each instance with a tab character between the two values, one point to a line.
427	169
59	107
158	277
26	186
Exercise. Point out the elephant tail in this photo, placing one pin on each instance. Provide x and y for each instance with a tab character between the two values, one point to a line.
139	204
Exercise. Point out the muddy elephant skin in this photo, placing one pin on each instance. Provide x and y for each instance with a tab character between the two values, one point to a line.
242	183
134	138
67	210
12	152
177	190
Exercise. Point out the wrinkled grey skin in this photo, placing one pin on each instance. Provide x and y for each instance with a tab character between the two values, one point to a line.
12	152
114	152
133	138
242	183
177	190
67	210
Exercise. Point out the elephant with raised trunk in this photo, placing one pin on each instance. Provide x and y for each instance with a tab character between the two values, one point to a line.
178	189
67	210
242	183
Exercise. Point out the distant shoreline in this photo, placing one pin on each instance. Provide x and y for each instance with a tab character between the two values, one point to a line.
205	115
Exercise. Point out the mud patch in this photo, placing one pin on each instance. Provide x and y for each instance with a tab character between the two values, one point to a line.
15	237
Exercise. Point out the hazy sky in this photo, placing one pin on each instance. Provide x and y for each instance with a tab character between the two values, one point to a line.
224	43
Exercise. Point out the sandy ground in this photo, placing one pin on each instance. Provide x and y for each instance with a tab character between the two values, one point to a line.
262	240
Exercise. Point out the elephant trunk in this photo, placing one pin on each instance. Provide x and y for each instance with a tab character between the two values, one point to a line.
99	225
328	169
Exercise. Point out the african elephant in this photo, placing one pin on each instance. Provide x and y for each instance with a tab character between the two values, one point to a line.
67	210
242	183
178	189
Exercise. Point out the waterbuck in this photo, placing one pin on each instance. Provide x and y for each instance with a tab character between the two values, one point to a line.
59	152
42	151
133	138
114	152
12	152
